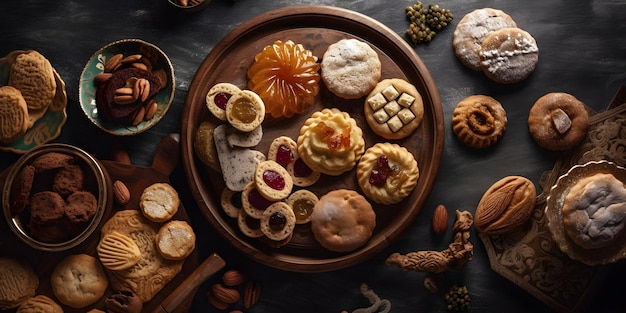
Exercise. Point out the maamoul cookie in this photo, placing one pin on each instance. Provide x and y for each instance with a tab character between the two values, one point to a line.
231	202
472	30
19	282
278	221
479	121
509	55
343	220
39	304
159	202
394	109
594	211
272	181
558	121
118	251
350	68
387	173
32	74
302	203
245	111
330	142
79	280
218	96
14	119
175	240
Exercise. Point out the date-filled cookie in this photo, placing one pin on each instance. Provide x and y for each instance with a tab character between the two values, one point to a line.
394	109
479	121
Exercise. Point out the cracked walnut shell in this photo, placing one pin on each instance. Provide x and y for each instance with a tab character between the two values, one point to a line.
505	206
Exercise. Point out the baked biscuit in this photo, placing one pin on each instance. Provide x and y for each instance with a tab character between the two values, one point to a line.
18	282
175	240
558	121
253	202
387	173
81	206
20	191
118	251
479	121
272	181
39	304
472	30
249	226
159	202
32	74
68	179
284	151
52	160
218	96
350	68
79	280
302	203
509	55
278	221
14	119
231	202
394	109
245	111
330	142
204	145
46	206
343	220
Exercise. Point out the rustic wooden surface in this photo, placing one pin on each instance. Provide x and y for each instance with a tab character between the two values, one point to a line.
580	53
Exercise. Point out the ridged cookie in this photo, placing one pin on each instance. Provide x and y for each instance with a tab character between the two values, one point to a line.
13	114
117	251
479	121
32	74
18	282
40	304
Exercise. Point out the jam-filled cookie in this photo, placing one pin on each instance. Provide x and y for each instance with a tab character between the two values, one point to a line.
218	96
253	202
302	203
272	181
558	121
284	151
479	121
387	173
231	202
394	109
278	221
245	111
330	142
249	226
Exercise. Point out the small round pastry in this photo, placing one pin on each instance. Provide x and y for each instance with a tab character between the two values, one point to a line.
330	142
175	240
159	202
343	220
558	121
387	173
302	203
301	174
594	211
81	206
68	179
245	111
79	280
231	202
472	30
117	251
509	55
272	180
394	109
479	121
253	202
283	150
218	96
39	304
204	145
249	225
19	282
278	221
14	119
350	68
123	302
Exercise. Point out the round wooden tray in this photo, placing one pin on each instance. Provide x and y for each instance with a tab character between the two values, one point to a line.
316	27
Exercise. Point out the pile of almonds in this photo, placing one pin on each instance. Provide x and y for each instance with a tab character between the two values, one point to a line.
235	286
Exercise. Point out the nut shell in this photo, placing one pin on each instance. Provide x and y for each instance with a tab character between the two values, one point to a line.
505	206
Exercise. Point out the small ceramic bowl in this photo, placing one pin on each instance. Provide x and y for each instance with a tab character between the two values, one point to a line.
158	61
192	5
96	181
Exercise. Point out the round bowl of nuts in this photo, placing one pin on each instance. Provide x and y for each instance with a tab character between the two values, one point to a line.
126	87
190	5
55	196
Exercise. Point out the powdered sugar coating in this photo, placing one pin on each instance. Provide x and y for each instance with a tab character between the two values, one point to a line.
509	55
472	30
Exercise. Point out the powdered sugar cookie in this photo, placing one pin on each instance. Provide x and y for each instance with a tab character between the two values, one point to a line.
350	68
509	55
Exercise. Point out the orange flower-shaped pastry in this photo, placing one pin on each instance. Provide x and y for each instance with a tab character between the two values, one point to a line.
286	76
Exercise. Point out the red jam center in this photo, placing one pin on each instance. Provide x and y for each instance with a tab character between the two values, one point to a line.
274	180
381	171
300	169
284	155
277	221
220	100
257	200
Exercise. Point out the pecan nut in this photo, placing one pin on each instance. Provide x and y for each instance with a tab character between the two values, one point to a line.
114	63
506	205
251	293
225	294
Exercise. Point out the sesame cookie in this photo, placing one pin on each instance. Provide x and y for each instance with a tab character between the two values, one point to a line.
350	68
479	121
14	119
394	109
509	55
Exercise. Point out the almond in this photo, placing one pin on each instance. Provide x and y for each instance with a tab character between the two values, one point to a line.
120	155
233	277
225	294
121	193
217	303
505	206
440	220
251	293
